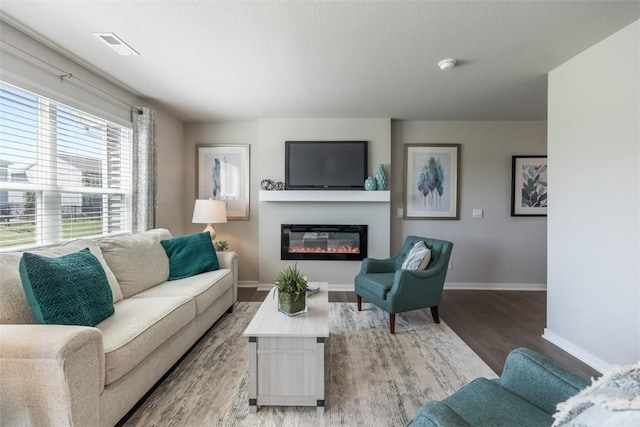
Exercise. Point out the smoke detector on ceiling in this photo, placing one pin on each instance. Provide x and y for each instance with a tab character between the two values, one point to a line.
447	64
116	43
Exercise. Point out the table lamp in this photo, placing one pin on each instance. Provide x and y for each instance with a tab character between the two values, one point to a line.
209	212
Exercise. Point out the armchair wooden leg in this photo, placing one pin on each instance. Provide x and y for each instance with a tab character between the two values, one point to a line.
434	313
359	301
392	322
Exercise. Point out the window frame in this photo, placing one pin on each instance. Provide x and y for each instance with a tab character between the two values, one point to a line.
49	216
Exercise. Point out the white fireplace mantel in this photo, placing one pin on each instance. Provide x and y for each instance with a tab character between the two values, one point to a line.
324	196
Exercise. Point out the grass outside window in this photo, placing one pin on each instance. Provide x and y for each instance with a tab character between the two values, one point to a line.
23	233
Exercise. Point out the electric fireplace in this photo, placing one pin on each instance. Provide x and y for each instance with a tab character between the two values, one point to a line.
323	242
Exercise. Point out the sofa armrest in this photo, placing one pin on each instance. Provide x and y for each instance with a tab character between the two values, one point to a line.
229	259
539	381
437	414
51	375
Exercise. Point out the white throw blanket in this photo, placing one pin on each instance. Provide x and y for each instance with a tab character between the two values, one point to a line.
611	400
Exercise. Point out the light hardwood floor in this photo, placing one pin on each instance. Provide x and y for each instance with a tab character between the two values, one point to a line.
492	323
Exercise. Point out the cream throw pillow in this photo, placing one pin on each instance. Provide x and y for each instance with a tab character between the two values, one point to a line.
418	257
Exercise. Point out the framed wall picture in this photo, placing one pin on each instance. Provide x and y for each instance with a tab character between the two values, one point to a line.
223	174
431	181
529	186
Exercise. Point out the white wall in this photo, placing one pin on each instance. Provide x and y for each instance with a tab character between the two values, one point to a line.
269	163
241	235
593	301
497	251
21	70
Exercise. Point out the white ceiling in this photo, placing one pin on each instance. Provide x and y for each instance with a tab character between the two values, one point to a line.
231	60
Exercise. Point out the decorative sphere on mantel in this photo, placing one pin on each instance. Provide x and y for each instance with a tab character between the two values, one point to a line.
370	184
267	184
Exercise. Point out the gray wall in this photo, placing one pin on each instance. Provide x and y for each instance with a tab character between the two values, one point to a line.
171	173
593	303
496	251
241	235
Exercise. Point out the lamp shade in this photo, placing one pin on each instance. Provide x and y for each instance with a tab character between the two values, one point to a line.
209	212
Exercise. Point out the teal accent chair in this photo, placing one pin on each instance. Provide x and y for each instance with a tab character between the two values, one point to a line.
382	282
525	395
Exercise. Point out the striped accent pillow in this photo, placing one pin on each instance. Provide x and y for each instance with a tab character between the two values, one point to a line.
418	257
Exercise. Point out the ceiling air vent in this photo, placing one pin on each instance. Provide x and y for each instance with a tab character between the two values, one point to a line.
115	43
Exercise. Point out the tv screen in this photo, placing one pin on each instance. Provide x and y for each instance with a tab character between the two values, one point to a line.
329	165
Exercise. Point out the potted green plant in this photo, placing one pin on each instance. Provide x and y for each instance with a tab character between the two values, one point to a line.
292	291
220	245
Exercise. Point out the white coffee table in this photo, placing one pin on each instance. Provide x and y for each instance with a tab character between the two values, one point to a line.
286	354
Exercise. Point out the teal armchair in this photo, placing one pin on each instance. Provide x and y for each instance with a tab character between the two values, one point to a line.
382	282
525	395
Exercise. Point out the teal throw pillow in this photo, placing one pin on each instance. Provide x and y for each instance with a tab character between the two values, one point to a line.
68	290
190	255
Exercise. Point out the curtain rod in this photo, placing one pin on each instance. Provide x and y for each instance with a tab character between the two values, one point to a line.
66	75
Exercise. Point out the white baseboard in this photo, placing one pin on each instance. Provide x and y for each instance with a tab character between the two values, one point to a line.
247	283
581	354
337	287
495	286
264	286
348	287
333	287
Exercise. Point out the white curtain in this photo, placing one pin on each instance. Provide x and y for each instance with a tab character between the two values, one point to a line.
144	168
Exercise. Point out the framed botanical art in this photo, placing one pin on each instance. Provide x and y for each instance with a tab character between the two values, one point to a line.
529	186
223	174
431	181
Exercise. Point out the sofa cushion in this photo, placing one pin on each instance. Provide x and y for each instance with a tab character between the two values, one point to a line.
138	327
14	308
66	290
190	255
138	260
205	288
483	402
95	250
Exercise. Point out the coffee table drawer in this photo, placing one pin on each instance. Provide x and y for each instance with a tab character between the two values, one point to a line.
286	343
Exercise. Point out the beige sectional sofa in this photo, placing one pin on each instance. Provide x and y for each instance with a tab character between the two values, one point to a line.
92	376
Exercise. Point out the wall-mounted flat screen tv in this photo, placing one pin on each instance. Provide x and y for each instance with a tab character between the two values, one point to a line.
325	165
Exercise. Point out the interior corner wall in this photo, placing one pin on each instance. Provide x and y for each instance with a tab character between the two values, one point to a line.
497	251
170	212
242	235
593	295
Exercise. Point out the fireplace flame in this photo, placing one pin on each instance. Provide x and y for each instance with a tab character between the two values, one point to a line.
318	250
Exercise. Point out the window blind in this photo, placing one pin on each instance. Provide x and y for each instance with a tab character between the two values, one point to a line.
64	173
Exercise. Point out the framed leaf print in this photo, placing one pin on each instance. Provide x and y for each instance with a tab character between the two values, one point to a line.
529	186
431	181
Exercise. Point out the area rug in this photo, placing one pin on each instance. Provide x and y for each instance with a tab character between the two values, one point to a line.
372	378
